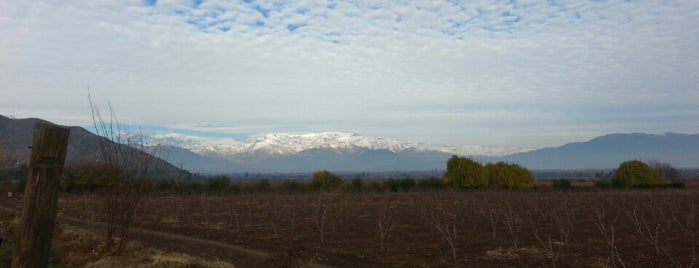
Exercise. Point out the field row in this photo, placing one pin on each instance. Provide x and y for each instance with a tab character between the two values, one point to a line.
442	228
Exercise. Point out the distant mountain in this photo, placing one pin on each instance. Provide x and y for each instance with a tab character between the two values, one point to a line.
339	151
16	136
350	152
680	150
287	144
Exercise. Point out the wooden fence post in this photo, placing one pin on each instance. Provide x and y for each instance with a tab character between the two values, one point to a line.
41	195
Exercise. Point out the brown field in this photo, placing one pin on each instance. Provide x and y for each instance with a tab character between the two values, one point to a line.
633	228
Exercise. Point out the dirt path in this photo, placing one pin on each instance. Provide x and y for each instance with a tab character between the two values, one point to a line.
240	256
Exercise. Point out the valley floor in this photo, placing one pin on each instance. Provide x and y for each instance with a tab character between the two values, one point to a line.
426	229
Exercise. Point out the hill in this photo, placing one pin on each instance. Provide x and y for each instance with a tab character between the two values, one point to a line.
680	150
83	146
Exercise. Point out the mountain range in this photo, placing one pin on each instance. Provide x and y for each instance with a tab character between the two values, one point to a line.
16	137
351	152
284	152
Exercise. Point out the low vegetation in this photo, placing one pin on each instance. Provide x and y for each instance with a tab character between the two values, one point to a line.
475	215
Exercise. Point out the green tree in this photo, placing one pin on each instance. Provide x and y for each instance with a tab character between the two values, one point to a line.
429	184
290	186
357	185
464	172
326	180
262	185
507	175
665	171
636	173
217	185
402	185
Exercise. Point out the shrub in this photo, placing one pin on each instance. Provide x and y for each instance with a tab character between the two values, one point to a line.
603	184
262	185
357	185
506	175
666	171
290	186
429	184
326	180
632	173
402	185
562	184
464	173
217	184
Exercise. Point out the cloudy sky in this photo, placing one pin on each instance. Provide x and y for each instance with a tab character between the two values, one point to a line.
529	73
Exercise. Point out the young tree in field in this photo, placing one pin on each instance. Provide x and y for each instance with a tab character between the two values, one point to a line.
506	175
631	173
606	227
126	168
385	221
319	217
447	217
326	180
464	172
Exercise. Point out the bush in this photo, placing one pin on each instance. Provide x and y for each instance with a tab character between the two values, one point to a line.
326	180
465	173
402	185
217	185
290	186
506	175
603	184
262	185
357	185
429	184
562	184
666	171
632	173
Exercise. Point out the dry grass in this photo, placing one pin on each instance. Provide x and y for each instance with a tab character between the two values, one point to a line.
77	247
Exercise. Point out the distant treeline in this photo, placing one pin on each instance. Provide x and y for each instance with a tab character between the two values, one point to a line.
462	173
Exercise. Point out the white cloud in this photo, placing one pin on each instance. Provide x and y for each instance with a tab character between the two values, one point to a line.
422	70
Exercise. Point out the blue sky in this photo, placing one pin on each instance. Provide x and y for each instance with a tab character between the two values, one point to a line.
529	73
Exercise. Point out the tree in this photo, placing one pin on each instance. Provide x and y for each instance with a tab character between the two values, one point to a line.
635	173
464	172
126	163
508	175
402	185
290	186
262	185
357	185
665	171
217	185
326	180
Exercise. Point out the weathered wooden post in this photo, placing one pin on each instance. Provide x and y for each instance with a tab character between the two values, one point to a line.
41	195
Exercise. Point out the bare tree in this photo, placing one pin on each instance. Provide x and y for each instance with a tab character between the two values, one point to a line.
447	218
126	167
606	228
686	220
385	222
318	217
490	213
513	221
541	220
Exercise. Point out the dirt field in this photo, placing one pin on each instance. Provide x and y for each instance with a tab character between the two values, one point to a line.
649	228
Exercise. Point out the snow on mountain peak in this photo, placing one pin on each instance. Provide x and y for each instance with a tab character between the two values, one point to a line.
288	143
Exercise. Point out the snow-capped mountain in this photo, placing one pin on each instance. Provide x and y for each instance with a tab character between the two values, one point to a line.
286	152
339	151
289	144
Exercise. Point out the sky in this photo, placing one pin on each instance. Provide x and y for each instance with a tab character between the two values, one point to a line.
523	73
